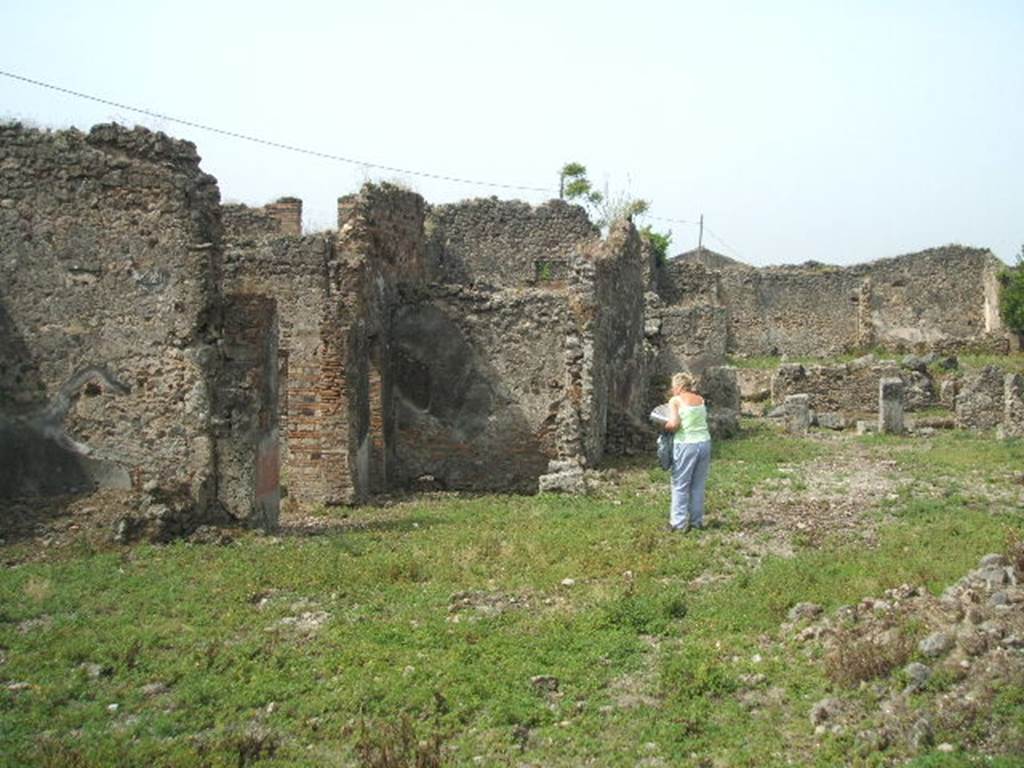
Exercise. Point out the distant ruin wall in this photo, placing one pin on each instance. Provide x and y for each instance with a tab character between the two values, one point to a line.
505	243
939	299
790	311
108	300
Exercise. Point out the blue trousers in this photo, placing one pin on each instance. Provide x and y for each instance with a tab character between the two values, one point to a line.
690	465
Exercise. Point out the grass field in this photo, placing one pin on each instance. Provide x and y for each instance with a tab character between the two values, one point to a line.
496	630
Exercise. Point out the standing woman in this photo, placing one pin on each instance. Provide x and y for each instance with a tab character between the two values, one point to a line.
691	458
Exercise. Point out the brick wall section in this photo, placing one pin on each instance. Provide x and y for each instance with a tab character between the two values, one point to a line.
295	272
505	243
108	287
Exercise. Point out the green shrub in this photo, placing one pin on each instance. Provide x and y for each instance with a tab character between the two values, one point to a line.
1011	294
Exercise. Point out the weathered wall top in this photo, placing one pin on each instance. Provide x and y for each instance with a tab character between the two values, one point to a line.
505	242
108	305
941	298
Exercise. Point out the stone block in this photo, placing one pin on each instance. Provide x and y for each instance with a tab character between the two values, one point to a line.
1013	407
832	420
798	414
890	406
980	403
571	481
867	427
947	393
723	423
719	387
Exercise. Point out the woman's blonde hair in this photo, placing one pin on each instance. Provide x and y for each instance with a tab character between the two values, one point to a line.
683	381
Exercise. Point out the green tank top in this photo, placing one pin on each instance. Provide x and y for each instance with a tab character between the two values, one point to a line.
693	427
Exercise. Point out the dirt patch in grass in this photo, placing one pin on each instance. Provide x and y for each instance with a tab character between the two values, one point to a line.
835	498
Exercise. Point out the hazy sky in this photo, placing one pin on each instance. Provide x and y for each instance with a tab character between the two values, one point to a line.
834	131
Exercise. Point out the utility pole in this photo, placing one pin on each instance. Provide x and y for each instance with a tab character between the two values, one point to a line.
700	237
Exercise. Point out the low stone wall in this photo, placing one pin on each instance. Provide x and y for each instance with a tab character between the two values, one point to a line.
850	388
1013	407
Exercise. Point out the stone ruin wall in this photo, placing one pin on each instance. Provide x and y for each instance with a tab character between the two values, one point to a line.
618	390
108	313
481	380
687	318
505	243
457	381
941	299
527	338
158	341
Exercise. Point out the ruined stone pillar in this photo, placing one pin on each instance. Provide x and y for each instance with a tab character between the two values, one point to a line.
890	406
288	213
798	414
865	322
1013	407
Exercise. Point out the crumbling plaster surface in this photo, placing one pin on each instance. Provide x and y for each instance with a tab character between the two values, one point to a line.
108	282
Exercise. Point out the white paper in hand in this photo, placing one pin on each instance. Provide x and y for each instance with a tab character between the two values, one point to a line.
661	414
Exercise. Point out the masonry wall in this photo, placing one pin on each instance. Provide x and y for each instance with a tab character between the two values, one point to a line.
611	288
108	313
481	384
248	452
942	298
380	254
688	319
259	260
505	243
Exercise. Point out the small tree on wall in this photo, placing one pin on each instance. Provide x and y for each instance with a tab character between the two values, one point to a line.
1011	294
603	209
573	184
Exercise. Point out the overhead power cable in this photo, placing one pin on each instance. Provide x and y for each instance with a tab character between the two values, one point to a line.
722	242
304	150
670	221
269	143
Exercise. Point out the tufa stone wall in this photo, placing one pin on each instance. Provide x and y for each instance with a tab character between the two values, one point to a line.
851	387
482	387
108	292
939	299
506	243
